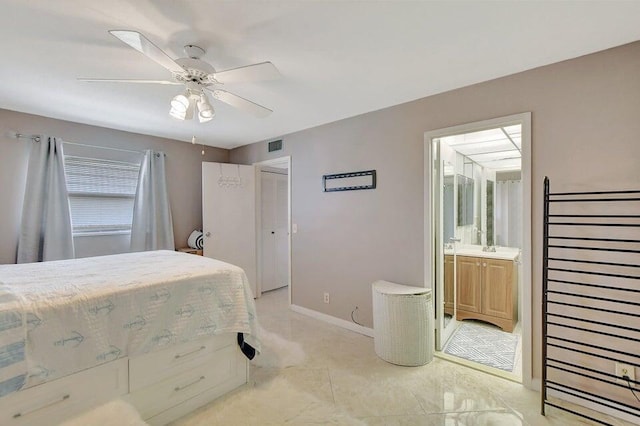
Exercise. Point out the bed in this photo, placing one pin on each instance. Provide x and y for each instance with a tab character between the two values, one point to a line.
158	329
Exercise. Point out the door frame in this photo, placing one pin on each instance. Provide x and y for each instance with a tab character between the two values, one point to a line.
442	332
274	162
430	250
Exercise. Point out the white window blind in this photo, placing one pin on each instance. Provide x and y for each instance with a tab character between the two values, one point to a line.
101	194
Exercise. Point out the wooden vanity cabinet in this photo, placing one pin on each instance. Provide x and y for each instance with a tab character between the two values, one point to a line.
487	290
468	285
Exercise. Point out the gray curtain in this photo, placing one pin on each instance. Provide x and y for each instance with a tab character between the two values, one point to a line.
45	232
152	228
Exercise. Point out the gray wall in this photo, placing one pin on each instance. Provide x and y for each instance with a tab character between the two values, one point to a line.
184	173
585	136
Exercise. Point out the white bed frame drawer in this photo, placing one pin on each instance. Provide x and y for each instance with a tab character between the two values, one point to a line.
179	388
151	368
54	401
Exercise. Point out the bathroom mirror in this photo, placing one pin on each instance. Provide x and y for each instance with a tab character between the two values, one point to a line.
490	213
465	200
448	204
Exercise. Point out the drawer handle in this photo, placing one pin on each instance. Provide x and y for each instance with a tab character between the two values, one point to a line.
49	404
179	388
178	356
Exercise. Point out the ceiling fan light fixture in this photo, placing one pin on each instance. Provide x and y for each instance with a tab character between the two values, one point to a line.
205	110
204	119
180	102
180	115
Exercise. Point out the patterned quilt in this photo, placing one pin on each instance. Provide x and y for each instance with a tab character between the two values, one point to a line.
60	317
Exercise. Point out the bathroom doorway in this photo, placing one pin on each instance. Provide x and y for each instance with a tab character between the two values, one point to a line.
477	237
273	208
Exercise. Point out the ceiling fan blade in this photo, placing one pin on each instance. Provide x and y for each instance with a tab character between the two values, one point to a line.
255	72
117	80
144	46
241	103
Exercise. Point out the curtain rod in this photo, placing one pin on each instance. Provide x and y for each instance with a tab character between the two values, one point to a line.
22	136
37	139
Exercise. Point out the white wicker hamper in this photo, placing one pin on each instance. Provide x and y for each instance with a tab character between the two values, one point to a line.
402	323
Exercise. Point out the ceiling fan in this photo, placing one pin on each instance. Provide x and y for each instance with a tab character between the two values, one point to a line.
198	77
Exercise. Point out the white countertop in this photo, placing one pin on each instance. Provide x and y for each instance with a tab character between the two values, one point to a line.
505	253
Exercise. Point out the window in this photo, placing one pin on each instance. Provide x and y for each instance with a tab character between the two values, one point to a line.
101	194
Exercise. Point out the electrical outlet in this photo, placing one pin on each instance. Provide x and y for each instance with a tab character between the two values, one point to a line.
625	370
326	298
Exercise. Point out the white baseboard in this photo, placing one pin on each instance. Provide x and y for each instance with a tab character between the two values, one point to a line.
333	320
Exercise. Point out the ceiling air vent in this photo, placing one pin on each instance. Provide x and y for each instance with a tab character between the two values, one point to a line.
275	145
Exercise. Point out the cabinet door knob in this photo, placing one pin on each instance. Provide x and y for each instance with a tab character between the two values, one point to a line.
208	234
484	264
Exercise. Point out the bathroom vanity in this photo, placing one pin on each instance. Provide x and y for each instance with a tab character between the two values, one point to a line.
486	286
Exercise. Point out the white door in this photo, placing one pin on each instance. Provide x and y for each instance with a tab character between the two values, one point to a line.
282	230
229	215
268	225
274	224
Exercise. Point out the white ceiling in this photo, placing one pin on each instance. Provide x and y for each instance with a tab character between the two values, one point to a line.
499	149
337	59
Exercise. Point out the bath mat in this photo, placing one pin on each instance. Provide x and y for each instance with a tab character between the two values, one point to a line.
484	344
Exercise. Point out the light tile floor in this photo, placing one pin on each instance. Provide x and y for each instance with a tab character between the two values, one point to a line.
343	382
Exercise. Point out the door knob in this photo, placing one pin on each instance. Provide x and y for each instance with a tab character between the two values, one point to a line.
272	232
208	234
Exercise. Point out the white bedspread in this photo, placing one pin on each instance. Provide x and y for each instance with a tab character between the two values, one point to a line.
57	318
